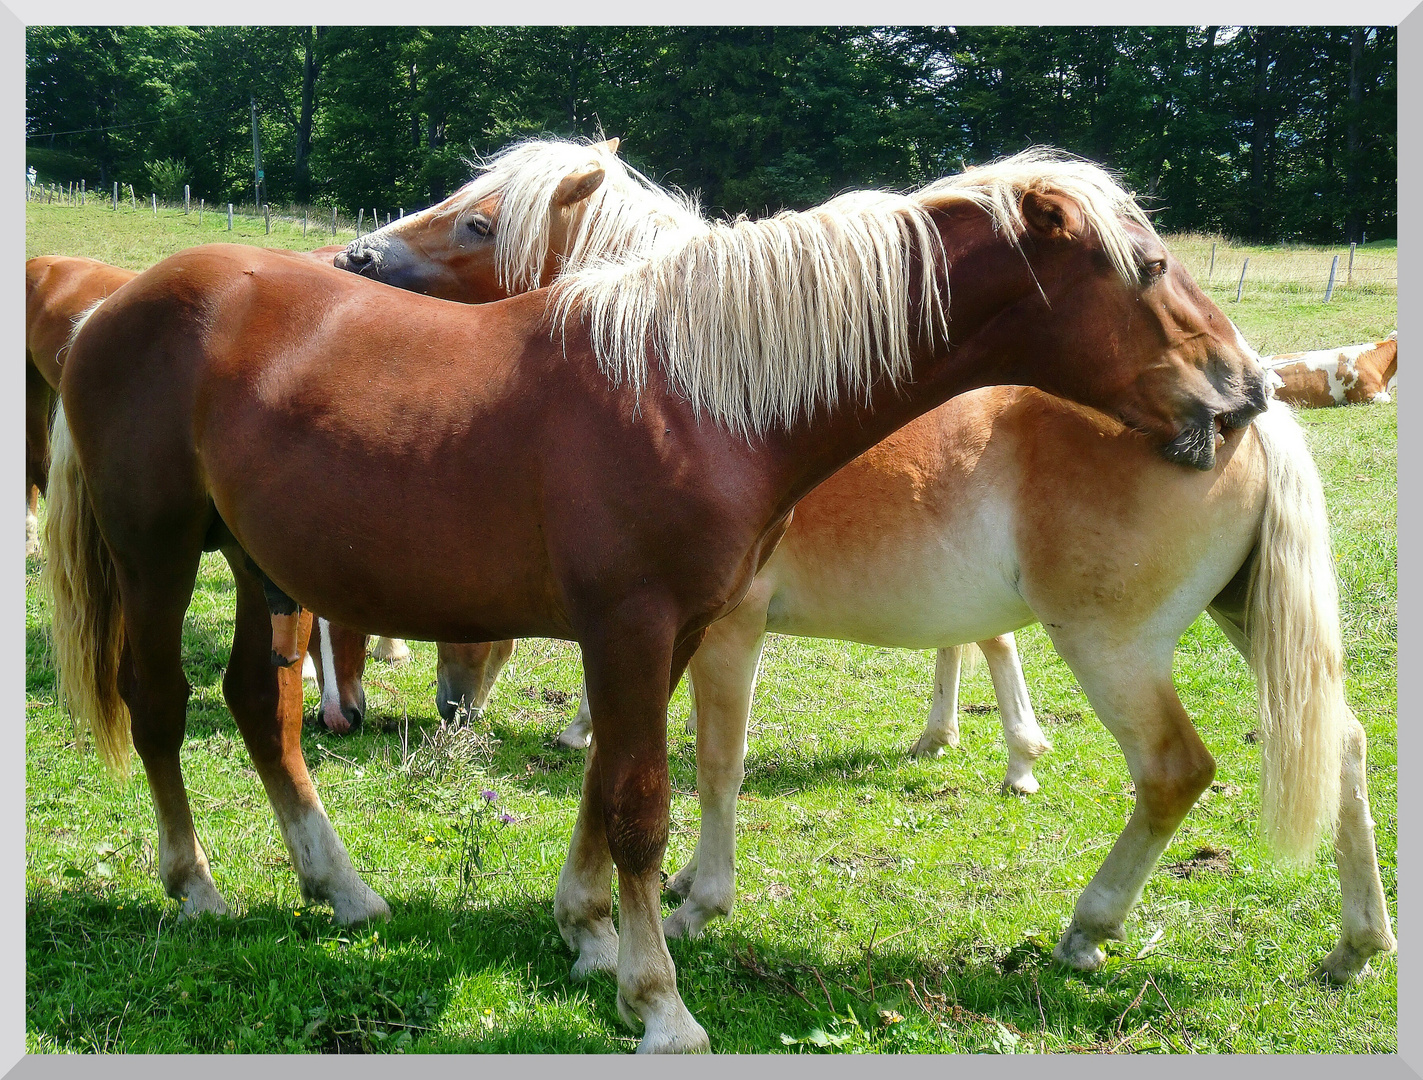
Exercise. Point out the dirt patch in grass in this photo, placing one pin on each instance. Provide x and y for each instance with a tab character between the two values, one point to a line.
1207	859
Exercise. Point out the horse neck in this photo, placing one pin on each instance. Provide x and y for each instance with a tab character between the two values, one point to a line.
988	278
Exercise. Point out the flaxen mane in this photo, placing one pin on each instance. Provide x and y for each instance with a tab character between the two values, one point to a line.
626	216
763	323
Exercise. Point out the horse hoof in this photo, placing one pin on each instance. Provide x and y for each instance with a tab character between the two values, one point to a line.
1347	963
597	949
927	747
683	1035
680	884
1022	785
1079	951
575	738
201	898
686	923
359	905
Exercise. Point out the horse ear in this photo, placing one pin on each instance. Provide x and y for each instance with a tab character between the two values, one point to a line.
612	145
577	186
1055	217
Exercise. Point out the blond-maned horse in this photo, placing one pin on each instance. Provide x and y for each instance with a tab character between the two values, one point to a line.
1007	506
538	210
548	208
609	462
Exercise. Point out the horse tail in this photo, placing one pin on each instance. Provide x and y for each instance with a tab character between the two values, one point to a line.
1290	635
87	618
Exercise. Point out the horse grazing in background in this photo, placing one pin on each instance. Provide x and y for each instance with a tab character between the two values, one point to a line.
58	290
612	469
1352	375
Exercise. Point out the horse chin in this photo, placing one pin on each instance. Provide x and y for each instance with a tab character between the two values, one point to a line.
1195	445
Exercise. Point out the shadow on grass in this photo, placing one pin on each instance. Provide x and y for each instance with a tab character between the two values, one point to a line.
442	976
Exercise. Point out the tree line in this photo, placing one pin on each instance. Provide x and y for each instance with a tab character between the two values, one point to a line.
1265	133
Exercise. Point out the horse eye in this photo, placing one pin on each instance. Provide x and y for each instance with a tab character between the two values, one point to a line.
1155	269
479	225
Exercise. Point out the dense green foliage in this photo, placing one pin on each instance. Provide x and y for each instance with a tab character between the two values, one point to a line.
1261	132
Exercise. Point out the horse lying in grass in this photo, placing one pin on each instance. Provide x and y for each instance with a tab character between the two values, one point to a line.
612	469
1352	375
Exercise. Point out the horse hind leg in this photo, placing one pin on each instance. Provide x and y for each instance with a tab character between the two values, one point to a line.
266	701
1366	928
1170	766
1025	739
153	687
390	650
942	728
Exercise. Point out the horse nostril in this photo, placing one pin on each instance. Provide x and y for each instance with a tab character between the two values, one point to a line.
354	715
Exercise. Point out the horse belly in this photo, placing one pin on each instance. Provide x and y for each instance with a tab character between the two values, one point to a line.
914	580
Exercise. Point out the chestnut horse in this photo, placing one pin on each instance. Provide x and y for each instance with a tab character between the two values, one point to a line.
539	209
1350	375
613	470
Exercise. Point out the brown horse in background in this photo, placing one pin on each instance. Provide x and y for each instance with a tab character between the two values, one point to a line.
614	477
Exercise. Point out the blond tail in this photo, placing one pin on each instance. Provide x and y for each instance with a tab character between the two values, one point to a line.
1295	646
87	625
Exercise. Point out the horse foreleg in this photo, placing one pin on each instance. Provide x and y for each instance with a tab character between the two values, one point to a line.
628	687
1366	928
724	672
583	900
942	728
1170	767
32	520
1025	739
266	701
152	685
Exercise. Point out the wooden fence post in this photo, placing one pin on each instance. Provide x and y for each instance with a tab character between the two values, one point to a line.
1329	289
187	200
200	211
1211	271
116	196
303	226
360	219
229	217
267	215
155	204
333	223
132	198
402	212
1350	279
83	193
1241	287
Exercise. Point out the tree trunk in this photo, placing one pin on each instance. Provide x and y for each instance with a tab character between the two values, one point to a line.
1353	219
310	72
1259	134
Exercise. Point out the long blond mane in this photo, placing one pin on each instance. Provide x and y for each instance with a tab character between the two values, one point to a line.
763	323
625	217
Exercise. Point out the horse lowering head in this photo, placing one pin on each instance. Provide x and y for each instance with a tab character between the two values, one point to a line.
537	208
339	655
1107	316
466	675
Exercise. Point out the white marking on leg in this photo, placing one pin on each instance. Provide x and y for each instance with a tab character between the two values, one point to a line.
331	714
1025	739
942	728
323	866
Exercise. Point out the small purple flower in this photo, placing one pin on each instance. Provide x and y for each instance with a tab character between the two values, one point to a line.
489	796
507	819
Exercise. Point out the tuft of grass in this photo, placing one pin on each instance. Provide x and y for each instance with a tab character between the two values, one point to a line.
884	904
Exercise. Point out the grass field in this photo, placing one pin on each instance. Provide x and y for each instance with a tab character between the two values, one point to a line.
860	870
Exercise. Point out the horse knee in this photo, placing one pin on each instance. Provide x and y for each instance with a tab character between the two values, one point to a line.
158	716
636	815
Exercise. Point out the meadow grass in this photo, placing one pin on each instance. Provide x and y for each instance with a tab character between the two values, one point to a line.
860	870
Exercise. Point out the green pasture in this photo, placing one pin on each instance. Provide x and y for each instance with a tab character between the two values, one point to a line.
883	904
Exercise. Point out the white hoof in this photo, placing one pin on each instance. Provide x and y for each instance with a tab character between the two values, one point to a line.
1349	962
1079	950
679	1033
575	736
689	920
930	746
200	897
359	904
1026	784
596	945
391	650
